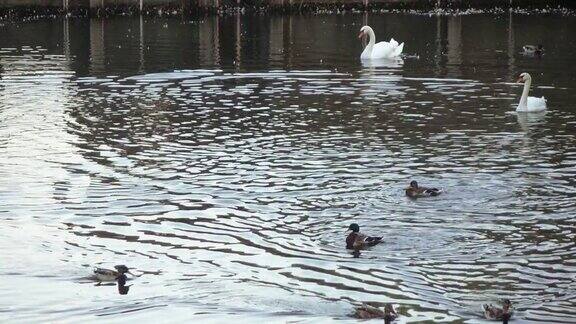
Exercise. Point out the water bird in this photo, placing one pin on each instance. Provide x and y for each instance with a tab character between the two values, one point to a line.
529	104
533	49
380	50
492	312
416	191
357	240
102	274
122	287
366	311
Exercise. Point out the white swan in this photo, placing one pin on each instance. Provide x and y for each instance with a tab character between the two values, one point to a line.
381	50
529	104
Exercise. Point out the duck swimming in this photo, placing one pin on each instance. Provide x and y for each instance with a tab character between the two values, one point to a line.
357	240
536	50
416	191
369	312
492	312
102	274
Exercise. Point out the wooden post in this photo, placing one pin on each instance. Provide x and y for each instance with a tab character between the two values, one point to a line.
66	38
141	5
238	42
96	4
95	7
439	45
511	43
217	60
187	5
97	48
454	37
142	44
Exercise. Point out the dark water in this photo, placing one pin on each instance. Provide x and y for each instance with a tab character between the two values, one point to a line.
224	159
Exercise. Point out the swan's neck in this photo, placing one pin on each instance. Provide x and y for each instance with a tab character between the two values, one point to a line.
524	98
367	53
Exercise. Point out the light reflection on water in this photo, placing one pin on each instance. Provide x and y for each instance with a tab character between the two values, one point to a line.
224	160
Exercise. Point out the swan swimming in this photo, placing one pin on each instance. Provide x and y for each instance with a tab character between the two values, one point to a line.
381	50
529	104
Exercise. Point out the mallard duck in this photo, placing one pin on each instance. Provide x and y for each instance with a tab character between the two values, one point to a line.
533	49
415	191
357	240
369	312
492	312
102	274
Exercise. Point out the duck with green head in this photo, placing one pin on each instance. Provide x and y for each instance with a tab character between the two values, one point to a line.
356	240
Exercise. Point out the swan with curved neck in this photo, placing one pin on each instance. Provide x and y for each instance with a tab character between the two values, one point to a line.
381	50
529	104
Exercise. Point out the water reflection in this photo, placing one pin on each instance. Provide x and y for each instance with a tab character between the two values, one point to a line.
122	287
530	121
383	63
229	153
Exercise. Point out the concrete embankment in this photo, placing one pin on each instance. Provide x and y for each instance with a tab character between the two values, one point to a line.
26	8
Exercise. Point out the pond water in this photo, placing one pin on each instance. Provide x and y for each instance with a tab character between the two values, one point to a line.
224	159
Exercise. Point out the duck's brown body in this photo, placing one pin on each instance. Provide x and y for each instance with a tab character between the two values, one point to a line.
369	312
357	240
102	274
415	191
492	312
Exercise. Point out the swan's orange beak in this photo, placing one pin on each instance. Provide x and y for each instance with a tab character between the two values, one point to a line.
520	80
361	35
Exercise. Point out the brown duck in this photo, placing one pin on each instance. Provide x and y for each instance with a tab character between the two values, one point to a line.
415	191
356	240
492	312
369	312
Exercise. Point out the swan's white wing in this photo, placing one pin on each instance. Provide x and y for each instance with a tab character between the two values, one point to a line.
382	50
536	104
398	50
387	49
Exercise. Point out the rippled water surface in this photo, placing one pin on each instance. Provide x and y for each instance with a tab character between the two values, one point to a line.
224	159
